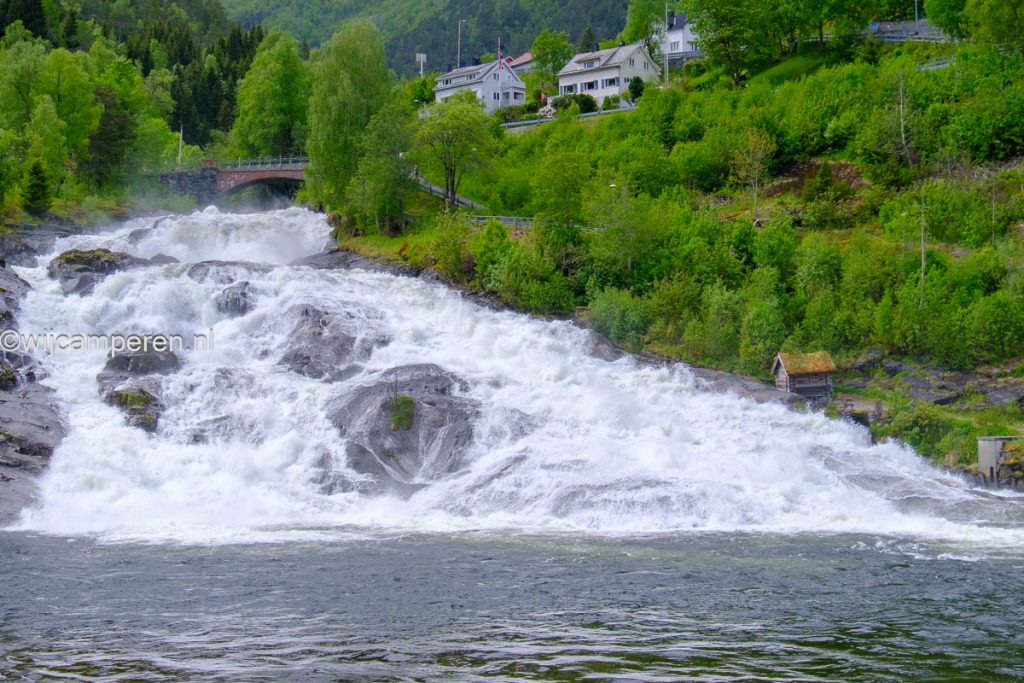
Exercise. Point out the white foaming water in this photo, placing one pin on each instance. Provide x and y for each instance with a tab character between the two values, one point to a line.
610	448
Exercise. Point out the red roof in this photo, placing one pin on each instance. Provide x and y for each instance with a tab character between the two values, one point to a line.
522	59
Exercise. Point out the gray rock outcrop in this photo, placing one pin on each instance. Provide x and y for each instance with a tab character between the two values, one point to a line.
131	382
80	271
321	347
401	460
237	299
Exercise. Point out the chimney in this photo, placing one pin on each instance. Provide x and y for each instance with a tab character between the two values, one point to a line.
671	18
597	47
622	43
449	68
476	61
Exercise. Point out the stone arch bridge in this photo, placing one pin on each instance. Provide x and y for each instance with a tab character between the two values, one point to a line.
215	179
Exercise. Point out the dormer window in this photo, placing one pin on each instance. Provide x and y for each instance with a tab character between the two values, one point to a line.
590	64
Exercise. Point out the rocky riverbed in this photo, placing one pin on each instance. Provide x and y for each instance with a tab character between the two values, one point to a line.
320	347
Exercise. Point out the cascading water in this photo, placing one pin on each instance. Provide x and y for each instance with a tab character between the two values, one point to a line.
562	440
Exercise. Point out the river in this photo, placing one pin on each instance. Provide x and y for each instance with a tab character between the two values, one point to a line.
608	520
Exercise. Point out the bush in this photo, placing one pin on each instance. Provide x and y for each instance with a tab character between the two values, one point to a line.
450	246
526	280
611	103
586	103
619	315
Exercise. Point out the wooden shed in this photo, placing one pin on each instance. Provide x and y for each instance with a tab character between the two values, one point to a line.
806	374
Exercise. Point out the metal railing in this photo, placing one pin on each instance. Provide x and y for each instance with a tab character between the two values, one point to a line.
263	162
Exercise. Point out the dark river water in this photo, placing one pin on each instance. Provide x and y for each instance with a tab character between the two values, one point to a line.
708	607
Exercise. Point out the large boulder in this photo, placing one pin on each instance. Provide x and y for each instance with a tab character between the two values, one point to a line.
397	449
131	382
326	347
80	271
143	363
225	272
12	288
30	427
237	299
139	400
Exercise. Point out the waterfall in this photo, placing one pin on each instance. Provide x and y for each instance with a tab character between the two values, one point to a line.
562	441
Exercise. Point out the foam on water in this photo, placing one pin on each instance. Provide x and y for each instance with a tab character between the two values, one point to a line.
611	447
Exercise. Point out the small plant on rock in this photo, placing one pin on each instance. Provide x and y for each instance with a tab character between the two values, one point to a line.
403	409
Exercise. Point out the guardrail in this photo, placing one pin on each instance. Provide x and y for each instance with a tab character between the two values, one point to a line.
263	162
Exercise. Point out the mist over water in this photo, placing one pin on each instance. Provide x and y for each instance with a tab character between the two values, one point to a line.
564	441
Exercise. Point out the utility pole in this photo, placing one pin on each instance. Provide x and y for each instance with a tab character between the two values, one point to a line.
458	54
664	78
917	17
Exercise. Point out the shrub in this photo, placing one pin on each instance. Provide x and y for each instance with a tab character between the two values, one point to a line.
619	315
611	103
450	245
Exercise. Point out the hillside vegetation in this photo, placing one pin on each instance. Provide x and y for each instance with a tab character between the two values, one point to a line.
430	27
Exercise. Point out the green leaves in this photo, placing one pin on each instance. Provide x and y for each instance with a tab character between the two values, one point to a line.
350	83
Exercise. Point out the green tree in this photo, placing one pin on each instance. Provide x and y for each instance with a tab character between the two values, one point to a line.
949	15
551	51
350	83
588	39
37	195
733	34
45	135
10	162
20	62
65	79
1001	21
456	135
382	181
645	21
750	163
273	99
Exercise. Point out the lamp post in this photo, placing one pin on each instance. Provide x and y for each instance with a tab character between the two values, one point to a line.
458	54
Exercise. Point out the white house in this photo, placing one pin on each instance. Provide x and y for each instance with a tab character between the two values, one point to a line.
679	38
607	72
494	83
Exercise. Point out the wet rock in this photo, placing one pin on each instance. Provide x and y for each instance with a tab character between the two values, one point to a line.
224	272
131	382
140	402
12	288
163	260
30	427
237	299
22	246
604	348
399	459
335	259
745	387
320	346
80	271
143	363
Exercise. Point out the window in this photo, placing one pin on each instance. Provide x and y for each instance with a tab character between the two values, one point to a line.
495	75
588	86
568	89
674	46
610	83
632	62
495	96
447	81
590	64
646	66
517	96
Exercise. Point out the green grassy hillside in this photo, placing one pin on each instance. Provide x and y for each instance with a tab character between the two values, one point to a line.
430	26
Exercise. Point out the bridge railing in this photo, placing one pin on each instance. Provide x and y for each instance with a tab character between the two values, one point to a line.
262	162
